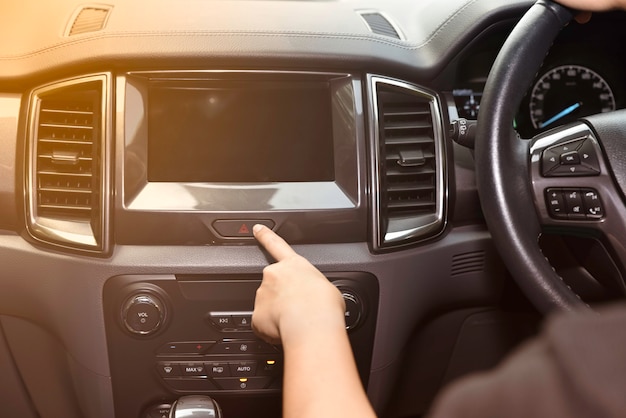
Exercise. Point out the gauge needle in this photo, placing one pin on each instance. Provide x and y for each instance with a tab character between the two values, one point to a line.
560	115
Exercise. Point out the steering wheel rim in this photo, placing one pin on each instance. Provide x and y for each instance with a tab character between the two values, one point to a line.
502	159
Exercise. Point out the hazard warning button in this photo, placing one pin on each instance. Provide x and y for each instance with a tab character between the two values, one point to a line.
239	228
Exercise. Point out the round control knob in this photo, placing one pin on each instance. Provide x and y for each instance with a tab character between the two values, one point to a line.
143	314
354	309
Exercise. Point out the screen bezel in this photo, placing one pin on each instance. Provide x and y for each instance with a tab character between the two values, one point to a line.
139	194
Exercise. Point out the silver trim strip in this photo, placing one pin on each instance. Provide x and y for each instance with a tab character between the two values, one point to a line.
426	226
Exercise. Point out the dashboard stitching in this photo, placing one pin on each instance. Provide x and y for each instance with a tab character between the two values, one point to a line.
134	35
373	38
431	37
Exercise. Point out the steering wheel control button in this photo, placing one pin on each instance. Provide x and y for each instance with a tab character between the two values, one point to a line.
574	204
556	203
589	157
239	228
570	158
576	158
593	205
143	314
550	160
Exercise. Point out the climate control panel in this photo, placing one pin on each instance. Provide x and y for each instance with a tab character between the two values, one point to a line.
173	335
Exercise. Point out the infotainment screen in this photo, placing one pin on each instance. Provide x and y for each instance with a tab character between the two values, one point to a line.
240	131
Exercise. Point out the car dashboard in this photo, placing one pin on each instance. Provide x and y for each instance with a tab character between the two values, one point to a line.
141	141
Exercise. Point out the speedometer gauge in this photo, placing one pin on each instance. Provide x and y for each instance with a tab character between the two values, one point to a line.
567	93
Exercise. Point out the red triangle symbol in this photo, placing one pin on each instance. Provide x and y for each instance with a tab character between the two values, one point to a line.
244	229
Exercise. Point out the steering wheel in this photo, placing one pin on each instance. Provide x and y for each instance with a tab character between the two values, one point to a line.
572	177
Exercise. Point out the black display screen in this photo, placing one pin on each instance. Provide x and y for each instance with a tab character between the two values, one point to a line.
241	132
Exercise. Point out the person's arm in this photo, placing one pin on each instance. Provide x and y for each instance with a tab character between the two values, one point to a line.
297	306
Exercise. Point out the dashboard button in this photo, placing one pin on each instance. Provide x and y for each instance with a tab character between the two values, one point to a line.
217	369
167	369
242	322
243	368
239	228
269	367
185	348
143	314
221	320
243	347
192	369
243	383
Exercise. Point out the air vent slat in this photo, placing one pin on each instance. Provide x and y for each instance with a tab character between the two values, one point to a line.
409	158
395	156
63	126
410	140
392	126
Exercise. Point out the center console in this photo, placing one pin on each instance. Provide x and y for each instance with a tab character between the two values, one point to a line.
205	156
172	335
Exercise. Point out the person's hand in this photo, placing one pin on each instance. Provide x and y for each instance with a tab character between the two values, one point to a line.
593	5
295	300
588	6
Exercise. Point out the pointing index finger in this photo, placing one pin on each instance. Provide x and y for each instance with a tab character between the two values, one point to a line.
275	245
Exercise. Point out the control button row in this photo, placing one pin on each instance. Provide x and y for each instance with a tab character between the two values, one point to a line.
575	158
231	321
223	383
242	368
574	204
227	346
185	347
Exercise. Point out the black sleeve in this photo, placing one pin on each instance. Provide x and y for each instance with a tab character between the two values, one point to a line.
575	368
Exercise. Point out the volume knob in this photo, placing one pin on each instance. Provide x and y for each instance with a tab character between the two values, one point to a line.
143	314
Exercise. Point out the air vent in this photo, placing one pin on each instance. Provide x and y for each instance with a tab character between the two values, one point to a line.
409	163
66	190
467	263
380	25
88	19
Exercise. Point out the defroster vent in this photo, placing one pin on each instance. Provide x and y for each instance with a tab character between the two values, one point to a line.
67	186
409	163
